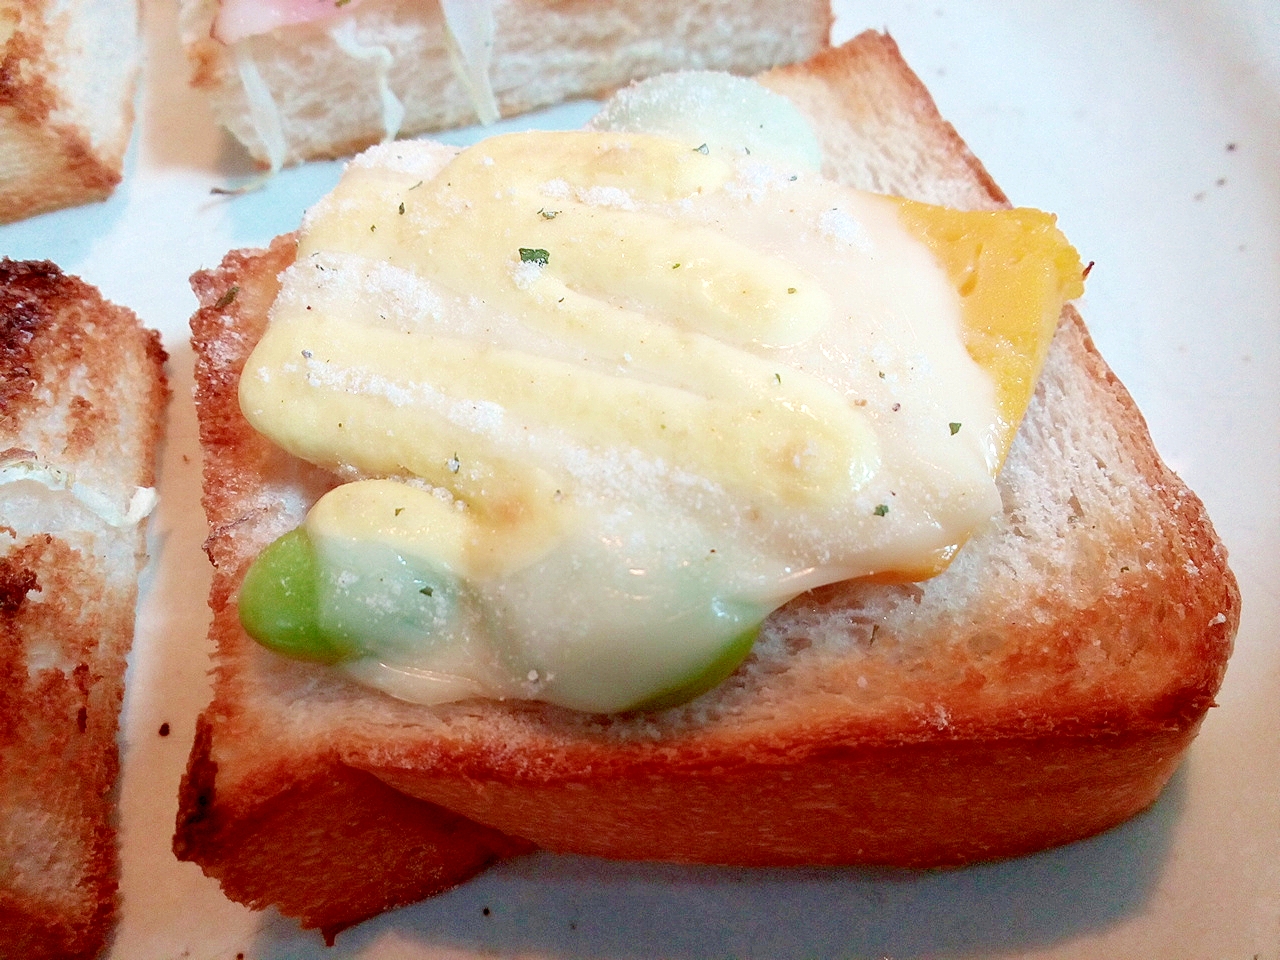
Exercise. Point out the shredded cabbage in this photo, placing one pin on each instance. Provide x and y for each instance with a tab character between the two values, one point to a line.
264	114
344	35
469	33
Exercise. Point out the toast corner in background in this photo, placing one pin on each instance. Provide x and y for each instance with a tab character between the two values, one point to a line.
67	80
313	97
82	398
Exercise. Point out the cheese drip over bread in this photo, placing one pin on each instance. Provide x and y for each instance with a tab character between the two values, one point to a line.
607	398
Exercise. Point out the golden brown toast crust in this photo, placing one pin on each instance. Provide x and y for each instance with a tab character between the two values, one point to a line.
409	850
47	163
52	737
82	390
1028	697
49	323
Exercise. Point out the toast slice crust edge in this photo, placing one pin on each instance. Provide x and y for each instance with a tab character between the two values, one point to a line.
1066	718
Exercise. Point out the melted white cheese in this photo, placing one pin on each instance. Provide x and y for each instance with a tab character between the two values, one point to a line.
141	502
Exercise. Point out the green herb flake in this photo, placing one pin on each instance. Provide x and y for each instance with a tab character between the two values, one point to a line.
426	591
955	428
227	298
534	255
881	510
340	3
778	377
402	208
791	289
703	149
675	266
399	510
373	228
546	214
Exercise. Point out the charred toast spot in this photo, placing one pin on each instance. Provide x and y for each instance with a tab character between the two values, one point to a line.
16	581
196	796
25	287
48	323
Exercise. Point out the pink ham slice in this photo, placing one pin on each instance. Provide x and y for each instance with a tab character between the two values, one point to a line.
238	19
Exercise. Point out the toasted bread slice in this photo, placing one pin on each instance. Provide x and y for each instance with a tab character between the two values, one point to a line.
67	77
330	103
81	402
1041	690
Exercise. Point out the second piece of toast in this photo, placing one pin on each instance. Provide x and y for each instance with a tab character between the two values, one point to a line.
321	88
82	395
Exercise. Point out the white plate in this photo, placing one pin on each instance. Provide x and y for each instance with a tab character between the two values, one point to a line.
1153	130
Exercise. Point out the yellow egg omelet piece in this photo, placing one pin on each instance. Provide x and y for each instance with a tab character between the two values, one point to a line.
1014	271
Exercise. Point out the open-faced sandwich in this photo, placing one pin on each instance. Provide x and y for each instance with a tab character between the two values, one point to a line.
729	482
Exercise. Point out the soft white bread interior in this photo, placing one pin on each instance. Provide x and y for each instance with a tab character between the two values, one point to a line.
328	103
67	77
1043	689
81	402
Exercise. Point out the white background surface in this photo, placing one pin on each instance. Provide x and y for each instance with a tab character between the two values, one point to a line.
1153	130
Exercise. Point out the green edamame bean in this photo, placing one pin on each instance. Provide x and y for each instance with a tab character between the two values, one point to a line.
711	676
297	603
279	601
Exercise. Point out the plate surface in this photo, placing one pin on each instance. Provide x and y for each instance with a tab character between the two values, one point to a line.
1153	130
